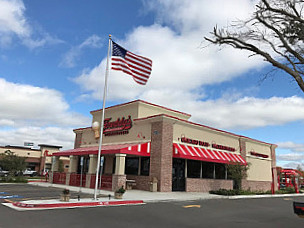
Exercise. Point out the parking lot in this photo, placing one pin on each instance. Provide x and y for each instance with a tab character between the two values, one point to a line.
263	212
20	192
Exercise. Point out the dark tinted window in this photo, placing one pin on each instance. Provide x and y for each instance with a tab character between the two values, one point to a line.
145	166
131	166
208	168
193	169
219	171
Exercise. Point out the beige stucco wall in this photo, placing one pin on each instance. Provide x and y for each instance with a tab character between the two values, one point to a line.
145	110
258	147
50	150
138	132
29	153
260	168
117	112
191	131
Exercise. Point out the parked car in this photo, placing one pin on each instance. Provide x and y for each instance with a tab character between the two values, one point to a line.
29	172
3	173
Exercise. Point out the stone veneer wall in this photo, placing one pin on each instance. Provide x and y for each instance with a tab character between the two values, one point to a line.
142	182
256	185
161	154
206	185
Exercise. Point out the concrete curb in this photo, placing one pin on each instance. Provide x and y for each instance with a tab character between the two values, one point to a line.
20	206
264	196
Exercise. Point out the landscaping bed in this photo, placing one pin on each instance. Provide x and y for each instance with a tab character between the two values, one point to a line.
235	192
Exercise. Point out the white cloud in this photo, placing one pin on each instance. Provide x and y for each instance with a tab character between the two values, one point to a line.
294	165
35	114
291	157
24	105
70	58
13	23
295	147
58	136
182	68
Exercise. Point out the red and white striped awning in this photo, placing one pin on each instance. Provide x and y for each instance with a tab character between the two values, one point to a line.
203	154
141	149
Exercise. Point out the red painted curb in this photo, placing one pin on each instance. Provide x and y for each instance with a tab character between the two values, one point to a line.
83	204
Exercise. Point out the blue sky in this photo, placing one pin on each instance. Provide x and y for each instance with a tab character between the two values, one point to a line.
52	64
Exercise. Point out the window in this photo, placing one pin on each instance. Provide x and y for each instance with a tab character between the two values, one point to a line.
132	165
208	170
144	166
84	166
193	169
219	171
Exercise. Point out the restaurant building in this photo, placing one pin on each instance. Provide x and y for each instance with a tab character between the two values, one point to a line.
150	147
37	160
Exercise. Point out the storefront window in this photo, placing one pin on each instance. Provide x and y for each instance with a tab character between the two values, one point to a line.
219	171
84	166
208	170
145	166
131	167
193	169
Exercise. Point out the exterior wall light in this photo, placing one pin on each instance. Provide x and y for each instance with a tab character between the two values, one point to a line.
95	127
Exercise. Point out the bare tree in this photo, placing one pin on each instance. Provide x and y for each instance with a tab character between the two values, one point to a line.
275	31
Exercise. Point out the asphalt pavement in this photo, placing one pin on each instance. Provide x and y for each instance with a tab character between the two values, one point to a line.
262	212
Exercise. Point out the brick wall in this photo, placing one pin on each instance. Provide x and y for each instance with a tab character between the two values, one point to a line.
161	154
273	167
206	185
142	182
118	181
256	185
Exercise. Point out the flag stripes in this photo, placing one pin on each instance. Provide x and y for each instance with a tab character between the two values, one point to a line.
137	66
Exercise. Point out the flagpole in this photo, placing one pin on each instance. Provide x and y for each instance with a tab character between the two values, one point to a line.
102	120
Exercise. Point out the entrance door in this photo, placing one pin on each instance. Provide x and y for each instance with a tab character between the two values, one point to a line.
178	175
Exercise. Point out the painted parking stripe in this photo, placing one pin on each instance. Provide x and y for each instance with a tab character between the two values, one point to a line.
9	197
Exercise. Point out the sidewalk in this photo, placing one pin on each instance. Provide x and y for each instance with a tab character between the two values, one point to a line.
131	197
146	196
104	198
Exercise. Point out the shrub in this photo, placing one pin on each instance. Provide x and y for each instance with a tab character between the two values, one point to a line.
66	191
121	190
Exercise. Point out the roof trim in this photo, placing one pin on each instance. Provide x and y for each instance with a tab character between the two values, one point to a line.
145	102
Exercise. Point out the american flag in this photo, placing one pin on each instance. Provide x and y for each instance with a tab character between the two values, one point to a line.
137	66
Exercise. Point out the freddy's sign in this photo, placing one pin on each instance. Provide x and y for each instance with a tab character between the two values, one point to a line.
121	126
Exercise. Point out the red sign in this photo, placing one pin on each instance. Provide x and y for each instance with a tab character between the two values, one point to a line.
118	127
206	144
194	142
258	154
221	147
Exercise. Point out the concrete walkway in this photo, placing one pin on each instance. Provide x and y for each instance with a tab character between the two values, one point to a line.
131	197
146	196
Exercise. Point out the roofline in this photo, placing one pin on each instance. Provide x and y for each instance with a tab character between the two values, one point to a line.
201	125
18	147
82	128
47	145
159	106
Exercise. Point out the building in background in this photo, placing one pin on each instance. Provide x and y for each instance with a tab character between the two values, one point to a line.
38	160
150	147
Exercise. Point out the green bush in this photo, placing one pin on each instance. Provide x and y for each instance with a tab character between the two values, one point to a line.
235	192
10	179
286	191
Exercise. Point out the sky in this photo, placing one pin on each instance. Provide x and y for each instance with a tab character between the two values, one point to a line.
53	59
